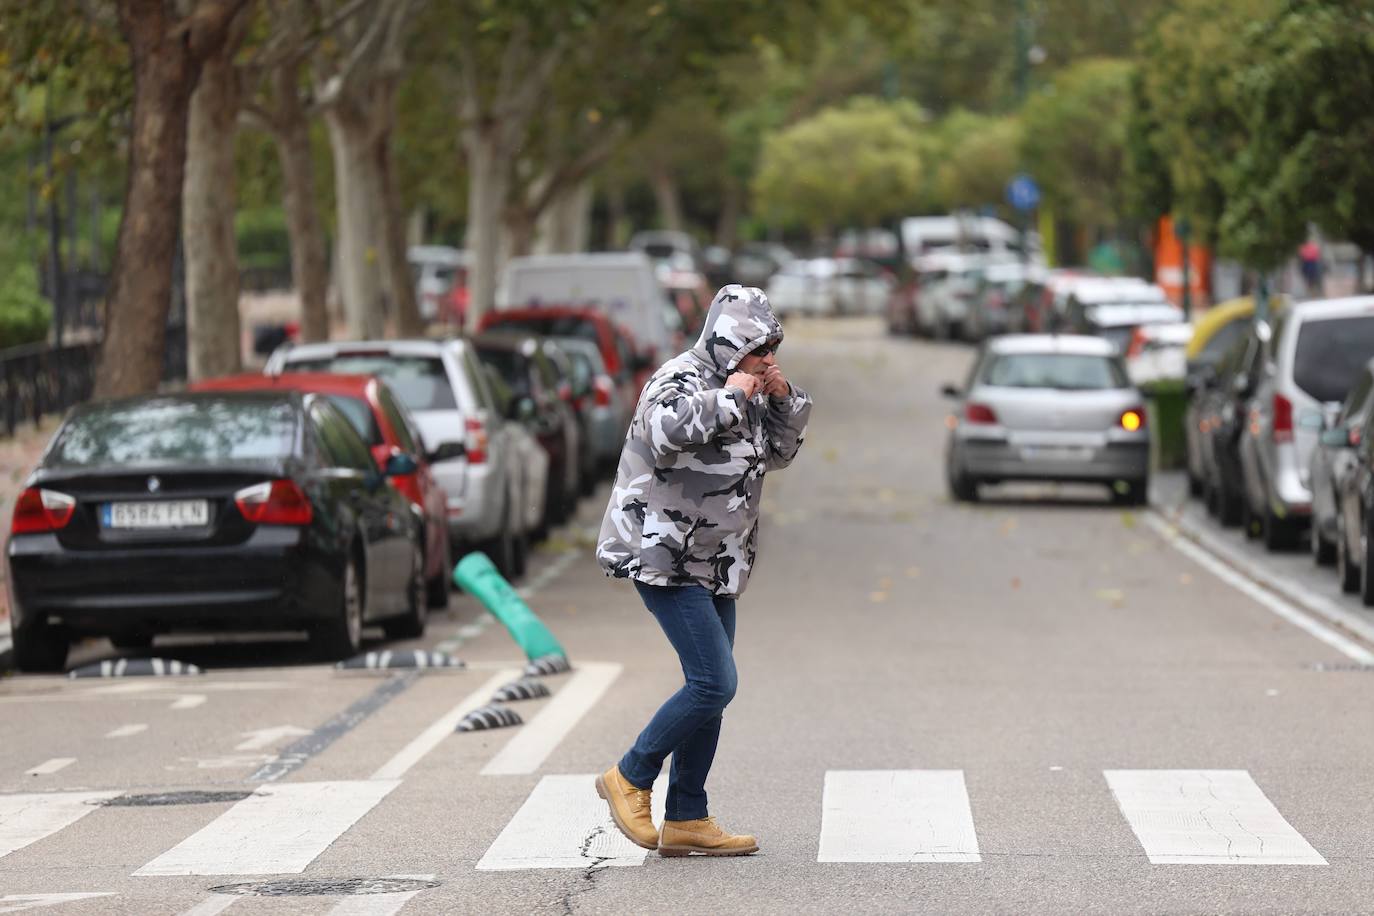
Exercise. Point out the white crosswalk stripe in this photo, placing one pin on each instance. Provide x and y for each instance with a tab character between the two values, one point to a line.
28	818
563	824
280	829
1207	817
896	816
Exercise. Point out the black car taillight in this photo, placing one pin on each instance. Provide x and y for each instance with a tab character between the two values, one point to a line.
274	502
38	511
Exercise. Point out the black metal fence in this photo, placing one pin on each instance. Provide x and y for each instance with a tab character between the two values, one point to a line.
40	379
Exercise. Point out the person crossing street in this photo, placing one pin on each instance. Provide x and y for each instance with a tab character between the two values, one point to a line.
682	524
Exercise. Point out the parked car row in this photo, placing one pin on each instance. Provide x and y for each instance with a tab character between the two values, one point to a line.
1279	432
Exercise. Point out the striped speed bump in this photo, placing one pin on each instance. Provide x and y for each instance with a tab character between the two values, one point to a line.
488	717
136	667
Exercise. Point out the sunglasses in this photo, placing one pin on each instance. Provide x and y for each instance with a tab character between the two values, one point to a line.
767	349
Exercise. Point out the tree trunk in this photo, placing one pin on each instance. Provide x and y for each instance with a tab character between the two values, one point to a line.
141	288
666	194
488	187
309	261
618	218
727	226
520	232
358	191
214	331
409	323
564	226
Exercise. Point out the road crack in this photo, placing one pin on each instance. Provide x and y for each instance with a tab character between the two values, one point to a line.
588	876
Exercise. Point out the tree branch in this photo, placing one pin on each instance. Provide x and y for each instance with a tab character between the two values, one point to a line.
205	28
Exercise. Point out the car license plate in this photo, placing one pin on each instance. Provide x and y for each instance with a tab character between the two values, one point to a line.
181	513
1056	453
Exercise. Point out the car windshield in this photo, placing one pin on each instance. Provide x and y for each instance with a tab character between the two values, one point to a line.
1331	354
1063	371
419	382
360	417
553	326
200	431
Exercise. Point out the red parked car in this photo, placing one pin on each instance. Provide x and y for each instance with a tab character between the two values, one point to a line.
387	429
618	350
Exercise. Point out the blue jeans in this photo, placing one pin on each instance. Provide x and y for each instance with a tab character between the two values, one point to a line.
701	627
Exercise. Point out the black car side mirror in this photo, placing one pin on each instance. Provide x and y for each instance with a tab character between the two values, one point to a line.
951	391
447	451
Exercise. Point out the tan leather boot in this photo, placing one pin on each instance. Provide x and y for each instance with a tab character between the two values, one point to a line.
681	838
629	808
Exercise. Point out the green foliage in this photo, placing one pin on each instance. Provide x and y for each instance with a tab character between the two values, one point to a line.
1147	190
1075	139
25	315
1305	99
263	239
853	165
978	155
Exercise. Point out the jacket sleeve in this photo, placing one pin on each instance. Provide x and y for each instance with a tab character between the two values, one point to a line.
679	413
784	428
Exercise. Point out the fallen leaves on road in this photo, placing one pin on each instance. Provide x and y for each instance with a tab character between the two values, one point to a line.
877	597
1113	596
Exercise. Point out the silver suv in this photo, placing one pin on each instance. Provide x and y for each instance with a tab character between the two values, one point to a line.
1314	355
472	449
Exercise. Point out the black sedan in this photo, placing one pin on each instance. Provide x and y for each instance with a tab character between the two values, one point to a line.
209	512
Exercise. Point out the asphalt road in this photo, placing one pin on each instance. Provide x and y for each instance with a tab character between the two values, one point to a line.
1039	704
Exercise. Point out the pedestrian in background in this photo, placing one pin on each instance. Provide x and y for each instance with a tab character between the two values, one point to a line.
682	523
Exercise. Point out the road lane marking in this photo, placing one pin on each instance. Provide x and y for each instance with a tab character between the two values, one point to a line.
189	701
442	727
377	904
18	903
127	731
1206	817
29	817
280	829
1260	594
532	744
295	755
564	824
48	767
260	738
896	816
212	905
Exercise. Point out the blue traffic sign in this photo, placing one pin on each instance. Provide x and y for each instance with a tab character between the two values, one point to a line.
1023	193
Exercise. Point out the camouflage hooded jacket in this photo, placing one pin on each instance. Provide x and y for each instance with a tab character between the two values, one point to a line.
685	507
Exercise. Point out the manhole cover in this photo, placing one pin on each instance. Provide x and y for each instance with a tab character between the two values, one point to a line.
161	799
335	887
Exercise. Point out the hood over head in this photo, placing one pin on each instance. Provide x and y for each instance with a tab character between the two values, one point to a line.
739	322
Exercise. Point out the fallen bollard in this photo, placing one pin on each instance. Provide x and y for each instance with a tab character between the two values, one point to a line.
478	577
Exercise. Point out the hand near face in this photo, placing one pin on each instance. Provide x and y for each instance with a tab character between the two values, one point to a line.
747	383
775	383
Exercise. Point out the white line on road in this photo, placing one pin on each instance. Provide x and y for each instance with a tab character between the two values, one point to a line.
127	731
260	738
278	830
48	767
18	903
442	727
1259	593
546	577
563	824
896	816
1207	817
532	744
189	701
28	818
212	905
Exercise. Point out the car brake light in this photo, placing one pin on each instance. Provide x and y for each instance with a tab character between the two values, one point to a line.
37	511
1283	419
1354	437
601	391
1133	419
408	485
274	502
978	413
477	440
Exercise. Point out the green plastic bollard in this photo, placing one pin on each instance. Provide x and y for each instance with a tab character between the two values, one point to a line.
476	575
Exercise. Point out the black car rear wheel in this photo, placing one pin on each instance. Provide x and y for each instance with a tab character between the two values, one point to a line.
40	648
438	589
1346	572
1323	551
342	636
1366	569
411	624
1279	533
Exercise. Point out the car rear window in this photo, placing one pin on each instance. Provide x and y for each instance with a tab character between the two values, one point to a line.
553	326
1224	338
420	382
1330	355
203	431
359	415
509	365
1063	371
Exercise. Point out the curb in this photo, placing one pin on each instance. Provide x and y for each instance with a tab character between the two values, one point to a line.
1322	608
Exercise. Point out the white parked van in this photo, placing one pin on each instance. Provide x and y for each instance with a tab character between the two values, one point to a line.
621	284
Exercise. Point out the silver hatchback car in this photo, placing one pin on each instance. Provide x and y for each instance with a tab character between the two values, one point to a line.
1049	407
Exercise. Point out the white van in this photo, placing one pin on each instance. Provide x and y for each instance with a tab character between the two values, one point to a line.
621	284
